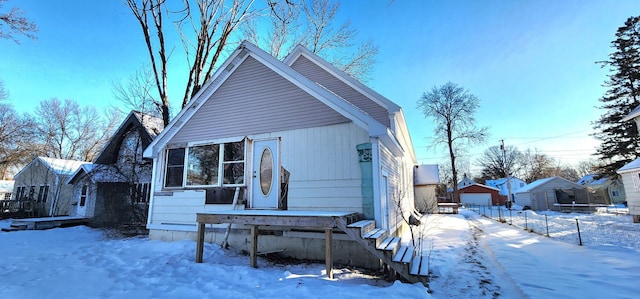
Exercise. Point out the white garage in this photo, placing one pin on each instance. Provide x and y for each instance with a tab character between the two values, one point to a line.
476	199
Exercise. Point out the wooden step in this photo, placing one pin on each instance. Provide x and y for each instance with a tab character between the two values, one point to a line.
415	265
384	243
365	226
375	231
424	266
408	255
393	245
378	234
400	254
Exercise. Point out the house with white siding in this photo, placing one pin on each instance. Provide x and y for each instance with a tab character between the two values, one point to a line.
630	174
296	135
503	184
43	180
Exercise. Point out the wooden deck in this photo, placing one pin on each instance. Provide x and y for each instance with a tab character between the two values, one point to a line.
45	223
254	218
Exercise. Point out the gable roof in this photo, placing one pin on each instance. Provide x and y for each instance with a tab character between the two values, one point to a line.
479	185
247	49
57	166
426	174
540	182
148	128
394	114
629	167
99	174
633	114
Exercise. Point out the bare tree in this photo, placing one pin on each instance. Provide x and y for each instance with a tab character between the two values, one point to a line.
282	28
212	22
568	173
313	24
537	165
71	132
136	93
17	24
17	137
452	108
149	16
586	167
495	163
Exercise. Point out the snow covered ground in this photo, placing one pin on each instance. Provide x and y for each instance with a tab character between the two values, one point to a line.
471	257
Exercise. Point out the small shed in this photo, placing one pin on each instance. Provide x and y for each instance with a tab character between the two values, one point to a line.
426	180
481	195
545	194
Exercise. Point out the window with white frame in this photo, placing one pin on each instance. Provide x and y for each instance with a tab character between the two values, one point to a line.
43	193
7	196
635	177
83	195
20	193
216	164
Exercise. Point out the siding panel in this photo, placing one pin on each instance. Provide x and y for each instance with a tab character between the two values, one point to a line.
324	174
253	100
312	71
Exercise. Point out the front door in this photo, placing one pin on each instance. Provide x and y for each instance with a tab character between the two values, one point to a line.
265	190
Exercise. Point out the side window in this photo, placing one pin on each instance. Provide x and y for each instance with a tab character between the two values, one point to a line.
175	167
203	165
43	193
233	163
83	196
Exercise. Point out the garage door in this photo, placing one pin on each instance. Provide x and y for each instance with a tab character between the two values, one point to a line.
476	199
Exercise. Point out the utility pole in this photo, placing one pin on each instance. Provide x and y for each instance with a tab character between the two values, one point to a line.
506	166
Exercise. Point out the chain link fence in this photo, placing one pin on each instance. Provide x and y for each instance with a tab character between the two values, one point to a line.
583	229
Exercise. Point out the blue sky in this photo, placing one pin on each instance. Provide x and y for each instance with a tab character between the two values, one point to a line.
531	63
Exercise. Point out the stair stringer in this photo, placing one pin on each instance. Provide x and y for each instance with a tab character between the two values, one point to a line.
400	268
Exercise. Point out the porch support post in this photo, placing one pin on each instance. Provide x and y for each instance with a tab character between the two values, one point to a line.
253	252
328	236
200	242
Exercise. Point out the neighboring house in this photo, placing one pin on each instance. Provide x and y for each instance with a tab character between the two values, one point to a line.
552	193
606	189
465	182
503	185
630	174
6	188
44	180
297	134
116	188
481	195
426	179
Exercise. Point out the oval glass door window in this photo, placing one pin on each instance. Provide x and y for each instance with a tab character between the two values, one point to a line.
266	171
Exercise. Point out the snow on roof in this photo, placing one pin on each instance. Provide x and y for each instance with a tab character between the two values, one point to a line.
6	186
587	179
541	182
633	165
153	125
634	113
426	175
535	184
99	173
479	185
63	167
